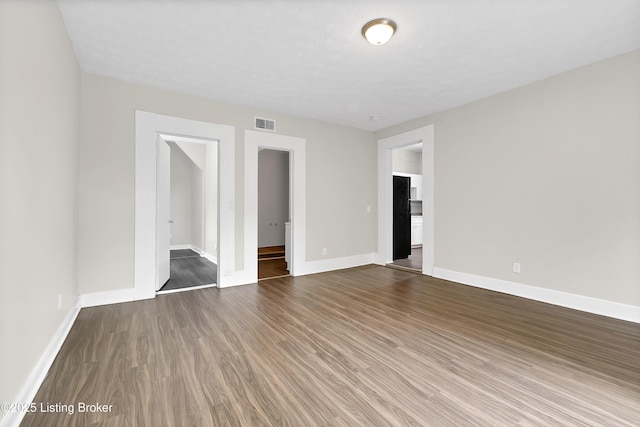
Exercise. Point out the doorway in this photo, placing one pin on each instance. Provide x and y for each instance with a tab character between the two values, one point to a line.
295	240
188	178
274	213
386	149
407	207
147	128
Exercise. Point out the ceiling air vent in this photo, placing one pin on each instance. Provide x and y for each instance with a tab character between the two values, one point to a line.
265	124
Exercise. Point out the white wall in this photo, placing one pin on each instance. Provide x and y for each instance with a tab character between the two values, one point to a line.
211	199
39	135
547	175
406	161
197	206
197	154
273	196
341	171
195	150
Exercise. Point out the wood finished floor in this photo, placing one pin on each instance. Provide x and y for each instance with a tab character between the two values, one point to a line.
370	346
271	251
188	269
413	261
271	262
268	268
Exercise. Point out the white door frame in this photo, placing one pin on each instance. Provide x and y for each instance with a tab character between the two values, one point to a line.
253	140
425	135
147	127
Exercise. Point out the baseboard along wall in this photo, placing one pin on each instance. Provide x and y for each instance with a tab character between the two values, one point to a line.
616	310
39	373
612	309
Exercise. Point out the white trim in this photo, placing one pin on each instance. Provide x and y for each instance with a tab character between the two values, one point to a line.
112	297
208	256
385	194
601	307
30	388
331	264
190	288
239	278
253	141
147	126
182	247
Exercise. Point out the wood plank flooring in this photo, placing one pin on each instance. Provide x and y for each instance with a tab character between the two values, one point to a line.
271	262
271	252
189	269
269	268
370	346
413	261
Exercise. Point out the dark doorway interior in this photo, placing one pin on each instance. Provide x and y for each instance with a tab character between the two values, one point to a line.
401	218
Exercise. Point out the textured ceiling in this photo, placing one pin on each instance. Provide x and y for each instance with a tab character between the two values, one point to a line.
307	57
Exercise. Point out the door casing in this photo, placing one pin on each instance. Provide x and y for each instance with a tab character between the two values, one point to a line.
147	127
253	141
425	135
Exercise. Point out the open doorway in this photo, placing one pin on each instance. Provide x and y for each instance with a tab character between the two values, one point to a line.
295	240
147	128
187	210
407	207
386	148
274	213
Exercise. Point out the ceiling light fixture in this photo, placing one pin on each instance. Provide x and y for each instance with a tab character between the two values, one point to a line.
379	31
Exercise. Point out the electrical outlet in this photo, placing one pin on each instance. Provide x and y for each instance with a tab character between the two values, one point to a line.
59	301
324	251
368	209
516	267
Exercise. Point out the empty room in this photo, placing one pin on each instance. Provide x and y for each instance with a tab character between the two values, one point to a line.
319	213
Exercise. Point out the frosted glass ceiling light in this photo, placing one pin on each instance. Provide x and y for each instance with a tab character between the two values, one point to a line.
379	31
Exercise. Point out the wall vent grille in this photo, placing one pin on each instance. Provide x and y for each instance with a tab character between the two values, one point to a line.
265	124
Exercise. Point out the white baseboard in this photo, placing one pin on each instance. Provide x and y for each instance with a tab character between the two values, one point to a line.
208	256
202	253
616	310
237	278
130	294
180	247
39	373
323	265
112	297
190	288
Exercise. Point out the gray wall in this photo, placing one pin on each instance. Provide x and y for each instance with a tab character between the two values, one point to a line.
197	153
39	136
547	175
197	207
341	171
273	196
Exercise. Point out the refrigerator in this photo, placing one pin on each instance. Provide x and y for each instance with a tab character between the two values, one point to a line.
401	217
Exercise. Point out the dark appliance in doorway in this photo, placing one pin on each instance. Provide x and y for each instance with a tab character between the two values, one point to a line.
401	217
